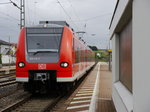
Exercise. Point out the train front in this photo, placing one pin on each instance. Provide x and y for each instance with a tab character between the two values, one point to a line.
38	56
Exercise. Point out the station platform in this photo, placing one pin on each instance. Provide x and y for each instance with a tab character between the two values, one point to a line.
105	103
94	94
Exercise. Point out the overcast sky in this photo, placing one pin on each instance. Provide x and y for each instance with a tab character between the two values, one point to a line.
91	16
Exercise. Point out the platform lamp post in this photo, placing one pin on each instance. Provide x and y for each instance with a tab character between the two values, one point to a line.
22	12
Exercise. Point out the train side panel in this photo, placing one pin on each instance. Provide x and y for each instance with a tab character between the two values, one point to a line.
65	74
82	62
21	74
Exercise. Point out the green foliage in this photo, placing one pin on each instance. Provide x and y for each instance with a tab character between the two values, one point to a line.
104	55
94	48
11	52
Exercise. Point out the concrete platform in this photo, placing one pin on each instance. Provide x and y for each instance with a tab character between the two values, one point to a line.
84	99
94	95
105	103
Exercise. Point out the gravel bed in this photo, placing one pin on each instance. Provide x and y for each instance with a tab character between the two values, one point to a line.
6	101
6	90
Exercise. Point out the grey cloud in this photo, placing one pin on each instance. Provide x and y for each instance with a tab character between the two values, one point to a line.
37	10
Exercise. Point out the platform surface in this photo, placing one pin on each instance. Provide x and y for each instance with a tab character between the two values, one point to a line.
94	94
105	103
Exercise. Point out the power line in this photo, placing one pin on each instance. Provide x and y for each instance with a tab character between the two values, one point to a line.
9	20
73	9
22	12
10	16
66	13
97	16
15	4
64	10
7	27
28	11
35	18
32	11
92	18
5	3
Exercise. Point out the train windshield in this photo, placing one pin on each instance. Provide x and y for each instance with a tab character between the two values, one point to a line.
41	40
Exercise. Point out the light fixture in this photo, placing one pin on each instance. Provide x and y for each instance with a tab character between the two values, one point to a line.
21	64
64	64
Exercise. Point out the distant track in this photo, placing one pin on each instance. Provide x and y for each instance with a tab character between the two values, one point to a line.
7	75
7	82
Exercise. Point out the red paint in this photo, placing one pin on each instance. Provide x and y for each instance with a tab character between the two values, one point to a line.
68	53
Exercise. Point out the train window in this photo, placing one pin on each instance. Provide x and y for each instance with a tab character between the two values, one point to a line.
125	56
43	39
77	50
43	44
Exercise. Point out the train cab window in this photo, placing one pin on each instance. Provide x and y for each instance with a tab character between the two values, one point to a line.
43	39
43	44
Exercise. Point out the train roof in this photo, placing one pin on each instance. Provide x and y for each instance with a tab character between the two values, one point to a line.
50	24
60	23
45	26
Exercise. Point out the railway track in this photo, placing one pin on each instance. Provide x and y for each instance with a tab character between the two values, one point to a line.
65	101
7	71
7	75
36	103
8	82
41	102
16	104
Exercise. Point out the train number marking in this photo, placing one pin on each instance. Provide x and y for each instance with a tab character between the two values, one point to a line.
41	66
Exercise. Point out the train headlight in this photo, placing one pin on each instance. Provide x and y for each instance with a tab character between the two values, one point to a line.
21	64
64	64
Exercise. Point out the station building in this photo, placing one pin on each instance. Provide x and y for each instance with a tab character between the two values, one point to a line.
130	35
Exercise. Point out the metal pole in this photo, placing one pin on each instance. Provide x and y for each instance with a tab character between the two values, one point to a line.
22	14
109	57
109	62
9	51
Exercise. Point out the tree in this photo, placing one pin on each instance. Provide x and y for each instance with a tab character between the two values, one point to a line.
94	48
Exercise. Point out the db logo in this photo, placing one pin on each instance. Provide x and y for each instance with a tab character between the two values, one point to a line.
41	66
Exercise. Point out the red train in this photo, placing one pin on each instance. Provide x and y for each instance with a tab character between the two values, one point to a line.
50	55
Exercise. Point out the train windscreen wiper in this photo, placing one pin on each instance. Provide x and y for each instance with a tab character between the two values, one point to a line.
44	51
